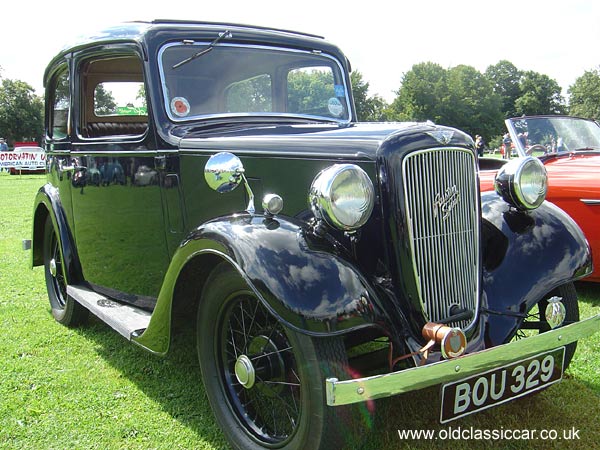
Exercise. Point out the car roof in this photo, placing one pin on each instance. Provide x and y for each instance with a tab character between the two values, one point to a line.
140	31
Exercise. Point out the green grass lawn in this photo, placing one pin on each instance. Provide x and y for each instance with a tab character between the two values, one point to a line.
87	388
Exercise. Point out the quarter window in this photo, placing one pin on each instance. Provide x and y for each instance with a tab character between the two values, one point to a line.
60	107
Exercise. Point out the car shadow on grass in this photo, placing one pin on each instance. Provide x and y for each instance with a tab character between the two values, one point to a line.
588	292
174	382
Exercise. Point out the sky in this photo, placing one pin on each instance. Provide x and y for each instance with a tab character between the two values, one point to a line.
382	39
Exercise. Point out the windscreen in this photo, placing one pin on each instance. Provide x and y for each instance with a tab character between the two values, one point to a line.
201	81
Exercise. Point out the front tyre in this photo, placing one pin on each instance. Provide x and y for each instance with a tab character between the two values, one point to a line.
64	309
265	382
536	321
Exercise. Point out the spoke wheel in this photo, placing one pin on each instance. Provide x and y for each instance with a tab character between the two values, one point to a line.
259	369
265	382
64	309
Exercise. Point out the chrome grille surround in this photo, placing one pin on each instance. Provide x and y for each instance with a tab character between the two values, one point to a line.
443	217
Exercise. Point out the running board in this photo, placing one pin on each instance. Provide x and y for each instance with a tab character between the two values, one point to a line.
125	319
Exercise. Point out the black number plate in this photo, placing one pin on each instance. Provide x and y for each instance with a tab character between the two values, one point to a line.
482	391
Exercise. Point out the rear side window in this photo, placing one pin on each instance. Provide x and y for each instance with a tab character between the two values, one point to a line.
119	98
113	98
59	116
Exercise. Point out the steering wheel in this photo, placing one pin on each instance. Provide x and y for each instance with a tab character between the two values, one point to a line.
536	150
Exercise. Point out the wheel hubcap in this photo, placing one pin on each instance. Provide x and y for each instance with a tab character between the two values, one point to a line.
244	371
555	312
53	267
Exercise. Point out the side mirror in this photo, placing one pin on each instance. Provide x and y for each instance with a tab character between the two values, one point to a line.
223	172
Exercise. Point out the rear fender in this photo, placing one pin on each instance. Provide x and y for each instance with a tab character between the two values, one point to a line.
47	202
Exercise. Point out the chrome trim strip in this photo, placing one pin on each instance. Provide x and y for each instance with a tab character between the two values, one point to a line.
115	153
379	386
442	209
279	153
590	201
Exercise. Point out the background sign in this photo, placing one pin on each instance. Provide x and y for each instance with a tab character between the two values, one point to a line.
23	158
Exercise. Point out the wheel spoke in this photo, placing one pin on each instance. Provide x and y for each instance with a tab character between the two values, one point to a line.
275	393
232	342
295	374
244	327
270	353
253	317
268	339
283	383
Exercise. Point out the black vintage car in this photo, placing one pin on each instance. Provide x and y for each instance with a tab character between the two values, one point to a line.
324	262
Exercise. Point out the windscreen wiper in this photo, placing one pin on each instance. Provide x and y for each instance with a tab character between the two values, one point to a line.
224	35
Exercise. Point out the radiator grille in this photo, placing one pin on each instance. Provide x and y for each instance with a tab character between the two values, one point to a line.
443	220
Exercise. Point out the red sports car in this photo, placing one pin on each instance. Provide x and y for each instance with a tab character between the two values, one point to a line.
569	147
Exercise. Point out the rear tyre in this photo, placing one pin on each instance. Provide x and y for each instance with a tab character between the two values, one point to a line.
265	382
64	309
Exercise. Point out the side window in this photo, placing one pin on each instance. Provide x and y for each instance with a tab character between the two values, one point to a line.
120	98
113	97
59	117
251	95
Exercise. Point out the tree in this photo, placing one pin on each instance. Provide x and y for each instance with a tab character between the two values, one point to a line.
584	95
460	97
141	96
505	79
104	102
471	103
368	109
539	95
251	95
21	111
421	93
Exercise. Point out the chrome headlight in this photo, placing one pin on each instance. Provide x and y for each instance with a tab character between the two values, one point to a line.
522	183
342	195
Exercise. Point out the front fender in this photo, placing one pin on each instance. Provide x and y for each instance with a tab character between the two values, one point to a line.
298	277
525	256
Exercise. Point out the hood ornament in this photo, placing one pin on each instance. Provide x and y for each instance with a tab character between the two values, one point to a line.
442	136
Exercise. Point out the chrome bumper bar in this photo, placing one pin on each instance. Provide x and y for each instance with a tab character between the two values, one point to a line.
379	386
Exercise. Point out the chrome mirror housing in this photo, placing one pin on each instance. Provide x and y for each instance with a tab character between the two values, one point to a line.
223	172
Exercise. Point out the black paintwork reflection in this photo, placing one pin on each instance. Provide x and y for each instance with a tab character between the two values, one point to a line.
313	290
49	196
545	249
118	222
106	171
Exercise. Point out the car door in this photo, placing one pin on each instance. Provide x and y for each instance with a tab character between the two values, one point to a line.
115	188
